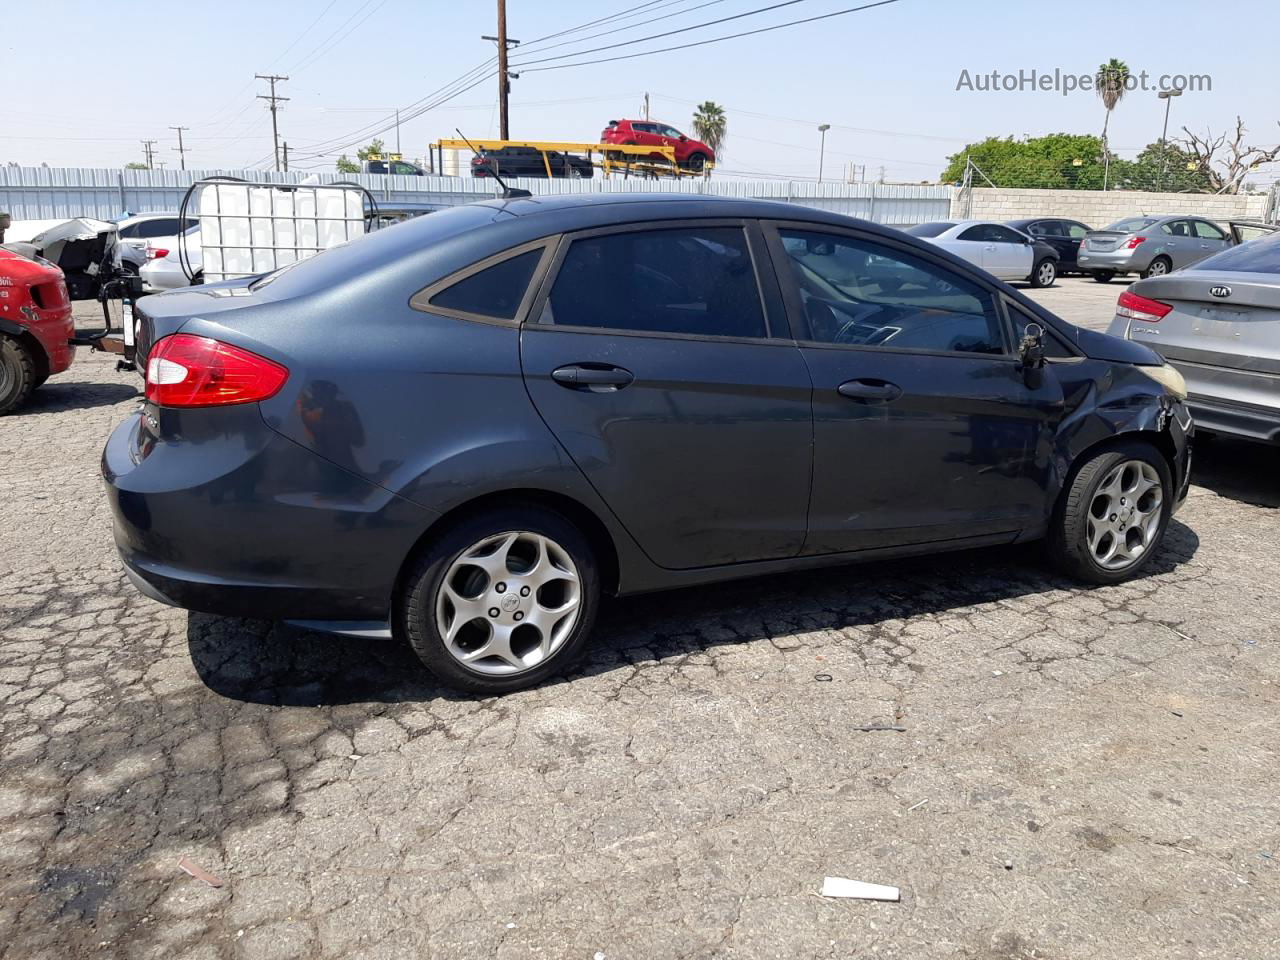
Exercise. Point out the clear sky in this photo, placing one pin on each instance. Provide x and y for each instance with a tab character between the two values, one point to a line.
86	80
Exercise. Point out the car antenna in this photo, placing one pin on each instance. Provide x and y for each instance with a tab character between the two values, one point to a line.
508	193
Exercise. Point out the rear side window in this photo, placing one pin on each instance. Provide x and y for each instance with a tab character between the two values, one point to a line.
1047	228
697	281
978	233
494	292
861	294
1256	256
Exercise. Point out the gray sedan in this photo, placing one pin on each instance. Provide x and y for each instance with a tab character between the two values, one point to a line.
1151	246
1218	324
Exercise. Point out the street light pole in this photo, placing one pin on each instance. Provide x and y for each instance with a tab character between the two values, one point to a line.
822	148
1167	96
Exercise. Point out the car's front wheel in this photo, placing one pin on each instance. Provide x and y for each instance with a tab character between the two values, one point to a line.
1113	514
1045	272
503	600
697	162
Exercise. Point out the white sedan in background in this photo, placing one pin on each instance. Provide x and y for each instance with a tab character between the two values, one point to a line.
1002	251
164	269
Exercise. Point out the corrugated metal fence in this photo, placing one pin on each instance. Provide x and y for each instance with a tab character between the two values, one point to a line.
40	193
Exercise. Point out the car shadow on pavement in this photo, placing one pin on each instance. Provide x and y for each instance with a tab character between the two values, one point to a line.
1238	469
261	662
58	396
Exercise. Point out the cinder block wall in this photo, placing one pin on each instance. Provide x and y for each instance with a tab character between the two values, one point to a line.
1097	208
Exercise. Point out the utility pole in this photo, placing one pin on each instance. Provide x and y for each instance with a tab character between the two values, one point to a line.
504	78
272	79
646	104
148	149
182	151
285	144
397	131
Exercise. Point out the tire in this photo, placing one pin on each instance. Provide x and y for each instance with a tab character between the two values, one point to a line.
17	374
1158	267
1103	276
1044	273
453	568
697	162
1077	542
128	269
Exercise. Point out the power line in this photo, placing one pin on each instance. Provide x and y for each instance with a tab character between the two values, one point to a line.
668	33
703	43
304	33
325	46
632	26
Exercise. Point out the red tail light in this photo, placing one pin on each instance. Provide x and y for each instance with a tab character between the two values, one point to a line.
1134	241
189	371
1141	308
156	253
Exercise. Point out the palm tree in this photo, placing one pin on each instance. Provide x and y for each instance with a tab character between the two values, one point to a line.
1111	83
709	125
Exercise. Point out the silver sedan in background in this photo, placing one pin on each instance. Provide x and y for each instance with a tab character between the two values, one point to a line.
1151	246
1218	324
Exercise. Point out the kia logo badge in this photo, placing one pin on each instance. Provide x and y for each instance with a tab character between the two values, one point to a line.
1220	291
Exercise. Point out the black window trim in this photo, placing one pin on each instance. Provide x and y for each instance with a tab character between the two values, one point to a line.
421	301
795	312
777	330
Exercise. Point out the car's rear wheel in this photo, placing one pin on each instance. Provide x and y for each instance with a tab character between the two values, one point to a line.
1113	514
1044	274
1158	267
503	600
17	374
1103	276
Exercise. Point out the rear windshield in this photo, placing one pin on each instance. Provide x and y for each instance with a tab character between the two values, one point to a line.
1257	256
935	229
1133	224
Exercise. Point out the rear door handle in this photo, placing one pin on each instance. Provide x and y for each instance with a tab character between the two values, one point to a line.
880	391
577	376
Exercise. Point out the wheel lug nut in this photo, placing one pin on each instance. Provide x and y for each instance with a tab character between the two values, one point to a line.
1113	518
518	616
493	611
524	591
501	588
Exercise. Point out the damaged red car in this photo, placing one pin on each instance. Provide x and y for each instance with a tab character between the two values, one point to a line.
35	326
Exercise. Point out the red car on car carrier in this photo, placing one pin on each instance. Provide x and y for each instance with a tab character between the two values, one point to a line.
690	154
35	326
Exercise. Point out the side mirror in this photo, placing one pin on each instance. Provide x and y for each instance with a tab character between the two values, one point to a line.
683	138
1031	348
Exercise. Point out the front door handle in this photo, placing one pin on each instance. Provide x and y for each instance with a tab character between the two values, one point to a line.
880	391
578	376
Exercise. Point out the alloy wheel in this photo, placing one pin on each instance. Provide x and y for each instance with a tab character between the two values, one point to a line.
1157	269
1047	273
1124	514
508	603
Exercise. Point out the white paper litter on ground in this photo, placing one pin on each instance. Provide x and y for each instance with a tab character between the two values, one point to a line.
842	887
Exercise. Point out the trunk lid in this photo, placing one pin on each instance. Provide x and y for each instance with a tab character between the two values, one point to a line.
1102	240
1223	333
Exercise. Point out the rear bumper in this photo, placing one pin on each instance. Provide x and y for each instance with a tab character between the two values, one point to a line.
1242	420
1119	261
237	520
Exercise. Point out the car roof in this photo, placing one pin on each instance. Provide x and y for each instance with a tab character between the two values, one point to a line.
664	206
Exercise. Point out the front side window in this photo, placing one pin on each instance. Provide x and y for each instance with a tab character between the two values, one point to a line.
859	293
698	281
1047	228
494	292
1207	231
1076	231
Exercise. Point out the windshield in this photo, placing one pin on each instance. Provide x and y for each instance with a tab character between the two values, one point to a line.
935	229
1257	256
1133	224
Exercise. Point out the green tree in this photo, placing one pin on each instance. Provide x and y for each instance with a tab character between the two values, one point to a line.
1163	166
709	124
1064	161
347	165
136	165
1111	84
